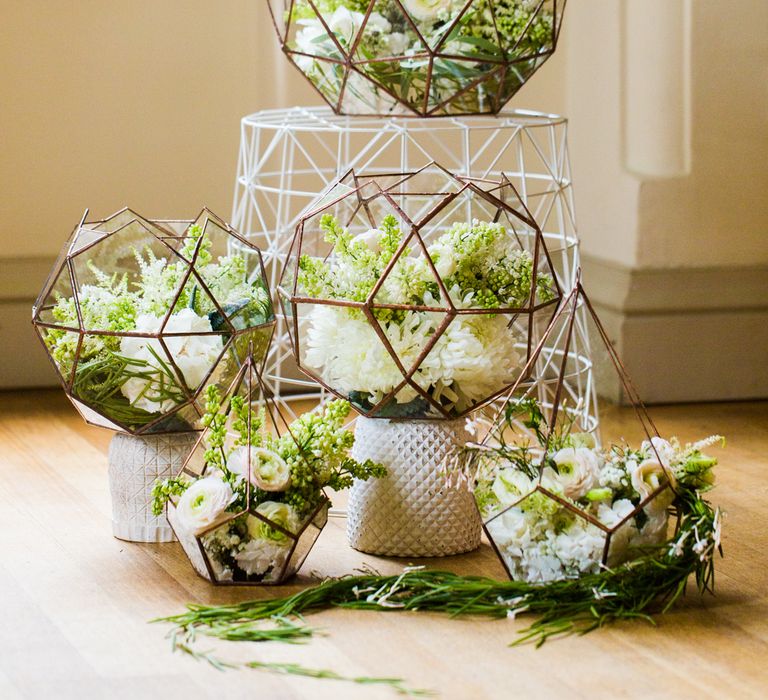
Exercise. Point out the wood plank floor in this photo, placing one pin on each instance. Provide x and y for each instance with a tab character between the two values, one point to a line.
75	601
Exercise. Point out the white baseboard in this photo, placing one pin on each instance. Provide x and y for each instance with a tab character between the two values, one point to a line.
684	334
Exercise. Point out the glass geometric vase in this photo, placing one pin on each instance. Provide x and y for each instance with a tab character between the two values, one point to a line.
417	296
417	57
558	501
139	316
233	515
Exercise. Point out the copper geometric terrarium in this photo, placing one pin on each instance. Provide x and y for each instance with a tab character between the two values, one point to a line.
417	295
555	503
422	57
235	518
139	316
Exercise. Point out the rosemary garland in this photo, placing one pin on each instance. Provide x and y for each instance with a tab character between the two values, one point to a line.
648	585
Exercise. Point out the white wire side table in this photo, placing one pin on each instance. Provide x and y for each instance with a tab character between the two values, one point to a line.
288	157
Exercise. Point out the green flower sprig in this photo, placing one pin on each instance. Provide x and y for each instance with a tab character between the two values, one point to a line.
315	447
478	261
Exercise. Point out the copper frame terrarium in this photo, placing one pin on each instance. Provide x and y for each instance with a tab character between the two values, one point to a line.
422	57
509	429
283	549
426	205
98	342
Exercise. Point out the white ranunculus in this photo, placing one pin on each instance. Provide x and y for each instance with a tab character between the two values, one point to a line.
578	471
281	514
202	503
427	10
193	354
268	470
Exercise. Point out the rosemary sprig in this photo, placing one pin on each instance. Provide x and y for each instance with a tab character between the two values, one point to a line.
186	646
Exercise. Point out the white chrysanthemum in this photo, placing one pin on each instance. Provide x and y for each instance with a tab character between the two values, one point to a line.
476	355
193	354
348	354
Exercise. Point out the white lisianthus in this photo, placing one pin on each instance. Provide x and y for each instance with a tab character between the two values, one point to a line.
427	10
511	485
281	514
268	470
193	354
578	471
203	502
648	476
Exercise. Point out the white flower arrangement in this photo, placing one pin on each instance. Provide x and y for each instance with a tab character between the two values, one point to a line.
474	42
481	268
122	369
258	491
548	508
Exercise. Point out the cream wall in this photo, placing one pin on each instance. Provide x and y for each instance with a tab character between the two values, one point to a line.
109	102
114	102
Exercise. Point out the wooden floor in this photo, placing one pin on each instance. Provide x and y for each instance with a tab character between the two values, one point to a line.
75	602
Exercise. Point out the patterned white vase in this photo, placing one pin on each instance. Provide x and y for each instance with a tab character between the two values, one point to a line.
411	512
135	462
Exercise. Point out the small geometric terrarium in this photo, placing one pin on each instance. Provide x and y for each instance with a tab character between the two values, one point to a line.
248	503
417	295
139	316
422	57
555	502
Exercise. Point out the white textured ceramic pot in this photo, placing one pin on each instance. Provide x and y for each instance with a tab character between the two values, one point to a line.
411	512
135	463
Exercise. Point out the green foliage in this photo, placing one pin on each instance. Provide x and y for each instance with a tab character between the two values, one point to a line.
648	585
315	447
114	303
481	265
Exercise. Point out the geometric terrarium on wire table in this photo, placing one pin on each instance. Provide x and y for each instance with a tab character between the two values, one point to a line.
249	501
418	298
556	502
138	318
422	57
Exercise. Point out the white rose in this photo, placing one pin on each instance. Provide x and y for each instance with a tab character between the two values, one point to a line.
426	10
193	354
511	485
578	471
280	514
202	503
